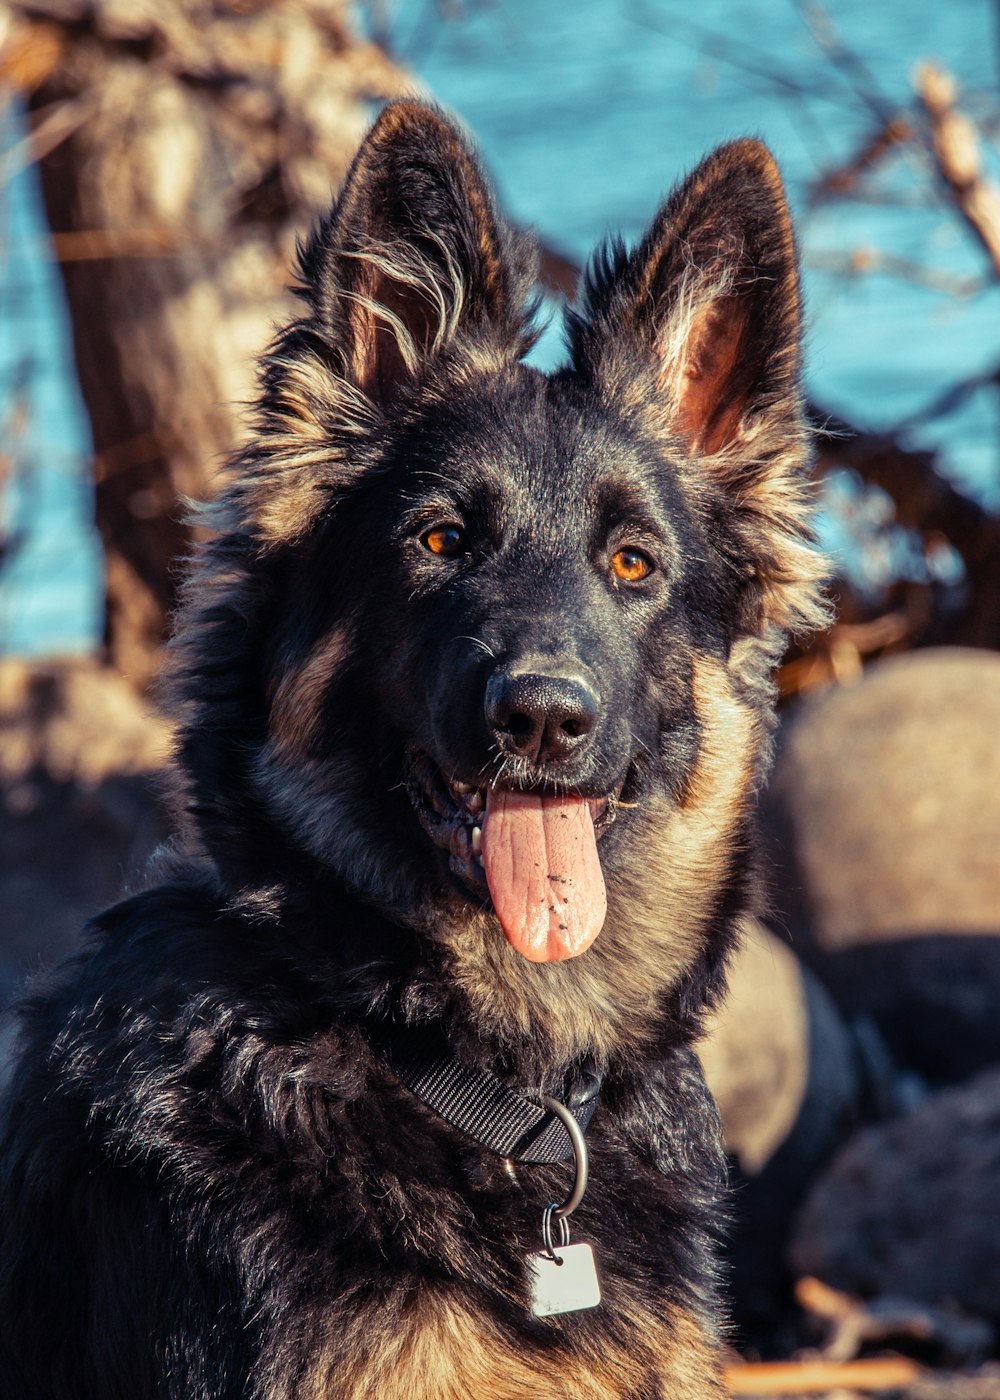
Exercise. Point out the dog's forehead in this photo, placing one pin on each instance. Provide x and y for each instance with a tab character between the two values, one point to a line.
524	436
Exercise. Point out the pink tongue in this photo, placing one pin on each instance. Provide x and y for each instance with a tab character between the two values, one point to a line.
544	873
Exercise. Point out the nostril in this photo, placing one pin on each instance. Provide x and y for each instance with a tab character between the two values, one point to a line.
538	715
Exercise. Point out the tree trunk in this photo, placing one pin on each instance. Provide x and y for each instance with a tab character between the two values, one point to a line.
194	142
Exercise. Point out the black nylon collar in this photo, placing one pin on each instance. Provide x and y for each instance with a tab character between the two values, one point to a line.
476	1102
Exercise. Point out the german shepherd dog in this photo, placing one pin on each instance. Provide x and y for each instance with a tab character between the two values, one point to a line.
475	691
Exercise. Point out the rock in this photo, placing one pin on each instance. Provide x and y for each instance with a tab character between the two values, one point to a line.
778	1058
79	815
908	1208
789	1082
882	824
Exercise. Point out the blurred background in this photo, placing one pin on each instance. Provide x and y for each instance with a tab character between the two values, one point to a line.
157	163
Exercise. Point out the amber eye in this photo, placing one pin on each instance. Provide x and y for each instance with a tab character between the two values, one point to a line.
631	565
447	540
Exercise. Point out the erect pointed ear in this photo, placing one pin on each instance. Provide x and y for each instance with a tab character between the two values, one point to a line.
708	301
697	331
414	254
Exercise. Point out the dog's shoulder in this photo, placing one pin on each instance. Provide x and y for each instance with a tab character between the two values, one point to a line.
180	1031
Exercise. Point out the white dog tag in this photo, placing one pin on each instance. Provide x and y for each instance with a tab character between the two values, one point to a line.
564	1284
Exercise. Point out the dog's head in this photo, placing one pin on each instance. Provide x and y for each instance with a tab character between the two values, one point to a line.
491	647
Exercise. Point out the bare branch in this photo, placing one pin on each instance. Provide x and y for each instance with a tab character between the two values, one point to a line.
852	1323
864	261
819	1377
48	134
928	504
843	179
845	60
757	64
955	147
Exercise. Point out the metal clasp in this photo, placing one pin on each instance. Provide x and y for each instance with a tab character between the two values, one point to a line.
561	1213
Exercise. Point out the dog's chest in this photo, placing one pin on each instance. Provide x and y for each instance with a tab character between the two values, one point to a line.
440	1348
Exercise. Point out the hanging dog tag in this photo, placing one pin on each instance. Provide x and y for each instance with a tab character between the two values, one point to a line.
563	1276
563	1282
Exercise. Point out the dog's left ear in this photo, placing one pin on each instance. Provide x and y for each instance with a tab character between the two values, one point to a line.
697	332
708	302
414	254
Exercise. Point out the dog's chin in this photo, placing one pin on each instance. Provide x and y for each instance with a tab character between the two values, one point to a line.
451	813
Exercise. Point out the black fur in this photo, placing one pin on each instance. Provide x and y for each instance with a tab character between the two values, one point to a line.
212	1184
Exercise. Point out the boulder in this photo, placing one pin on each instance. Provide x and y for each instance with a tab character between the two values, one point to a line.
778	1059
80	757
790	1083
908	1208
882	830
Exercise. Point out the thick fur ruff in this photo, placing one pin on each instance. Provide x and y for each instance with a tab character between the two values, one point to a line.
213	1185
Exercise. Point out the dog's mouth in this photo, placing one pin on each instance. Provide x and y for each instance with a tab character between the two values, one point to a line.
533	853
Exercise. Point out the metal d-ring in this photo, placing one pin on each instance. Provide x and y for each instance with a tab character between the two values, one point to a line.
576	1137
550	1248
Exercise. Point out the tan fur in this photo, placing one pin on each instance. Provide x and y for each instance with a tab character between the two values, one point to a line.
300	462
438	1349
765	470
296	706
403	298
682	343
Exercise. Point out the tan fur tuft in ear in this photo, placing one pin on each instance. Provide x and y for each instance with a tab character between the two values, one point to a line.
708	407
414	252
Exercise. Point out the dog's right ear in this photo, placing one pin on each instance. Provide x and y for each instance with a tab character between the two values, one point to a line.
414	255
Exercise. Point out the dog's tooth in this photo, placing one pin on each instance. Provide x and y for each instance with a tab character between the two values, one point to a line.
461	788
477	839
476	802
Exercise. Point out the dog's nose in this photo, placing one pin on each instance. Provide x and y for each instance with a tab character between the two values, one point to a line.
540	717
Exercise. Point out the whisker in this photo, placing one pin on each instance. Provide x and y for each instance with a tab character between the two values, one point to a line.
478	642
